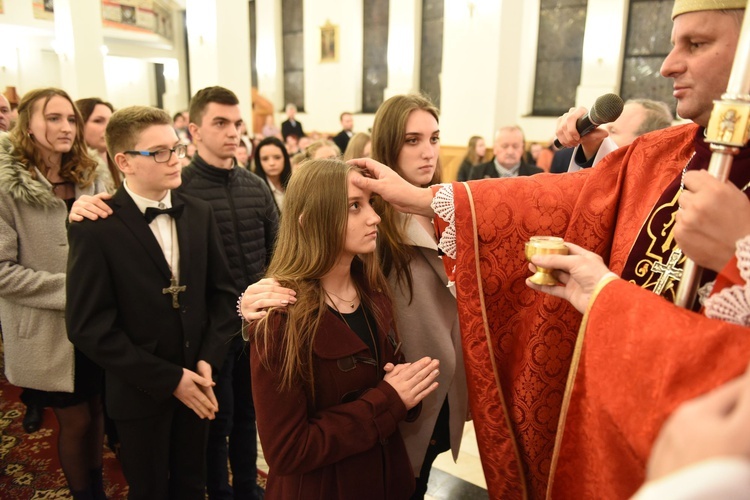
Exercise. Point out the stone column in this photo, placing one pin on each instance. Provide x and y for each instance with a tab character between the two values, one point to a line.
404	44
176	76
219	47
472	71
79	43
269	57
603	48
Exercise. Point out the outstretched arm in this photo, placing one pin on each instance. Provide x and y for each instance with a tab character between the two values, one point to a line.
393	188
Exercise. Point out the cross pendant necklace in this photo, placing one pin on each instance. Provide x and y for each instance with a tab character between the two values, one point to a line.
669	271
174	287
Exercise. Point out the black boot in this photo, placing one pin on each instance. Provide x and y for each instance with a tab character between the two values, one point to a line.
32	420
97	484
82	495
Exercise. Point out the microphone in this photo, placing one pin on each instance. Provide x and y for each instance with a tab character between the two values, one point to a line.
606	109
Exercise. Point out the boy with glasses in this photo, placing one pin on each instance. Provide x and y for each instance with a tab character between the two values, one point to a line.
246	215
150	299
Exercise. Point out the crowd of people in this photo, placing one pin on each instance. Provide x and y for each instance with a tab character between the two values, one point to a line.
179	287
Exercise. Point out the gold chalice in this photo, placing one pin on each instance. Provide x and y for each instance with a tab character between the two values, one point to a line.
543	245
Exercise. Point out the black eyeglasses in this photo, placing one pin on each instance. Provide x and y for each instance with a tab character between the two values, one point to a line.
162	155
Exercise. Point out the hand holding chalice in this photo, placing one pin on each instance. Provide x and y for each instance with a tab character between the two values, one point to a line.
544	245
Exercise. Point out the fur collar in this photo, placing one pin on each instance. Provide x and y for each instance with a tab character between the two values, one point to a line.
16	180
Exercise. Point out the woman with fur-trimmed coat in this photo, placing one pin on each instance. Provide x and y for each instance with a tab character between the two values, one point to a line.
44	167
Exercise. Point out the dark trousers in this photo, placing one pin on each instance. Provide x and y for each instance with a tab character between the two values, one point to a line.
163	457
439	442
235	420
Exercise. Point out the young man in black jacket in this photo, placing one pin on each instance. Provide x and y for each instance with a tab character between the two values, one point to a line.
247	220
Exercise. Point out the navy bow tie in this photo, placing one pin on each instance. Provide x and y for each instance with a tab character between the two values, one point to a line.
152	213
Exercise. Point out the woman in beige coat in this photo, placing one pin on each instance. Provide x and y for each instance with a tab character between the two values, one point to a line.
405	135
43	169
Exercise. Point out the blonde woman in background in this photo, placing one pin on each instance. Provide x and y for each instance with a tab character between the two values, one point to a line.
322	148
359	146
474	156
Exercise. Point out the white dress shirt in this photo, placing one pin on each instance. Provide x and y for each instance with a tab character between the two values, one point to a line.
163	227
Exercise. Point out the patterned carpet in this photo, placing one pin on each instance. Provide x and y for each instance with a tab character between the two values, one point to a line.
29	467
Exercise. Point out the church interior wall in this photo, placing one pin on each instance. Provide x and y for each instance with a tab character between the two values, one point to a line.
487	76
130	81
30	58
334	86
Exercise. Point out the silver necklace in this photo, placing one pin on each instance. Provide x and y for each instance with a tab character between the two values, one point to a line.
367	321
351	302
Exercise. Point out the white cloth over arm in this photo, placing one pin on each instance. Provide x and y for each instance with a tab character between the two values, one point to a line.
727	478
607	146
733	304
443	206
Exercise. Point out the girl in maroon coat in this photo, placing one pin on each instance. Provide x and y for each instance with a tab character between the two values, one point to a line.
328	384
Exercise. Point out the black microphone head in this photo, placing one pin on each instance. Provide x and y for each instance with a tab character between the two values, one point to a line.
606	109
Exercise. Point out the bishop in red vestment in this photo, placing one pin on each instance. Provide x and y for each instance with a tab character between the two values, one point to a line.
568	411
565	405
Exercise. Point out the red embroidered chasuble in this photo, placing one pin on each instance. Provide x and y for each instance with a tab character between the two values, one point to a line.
518	344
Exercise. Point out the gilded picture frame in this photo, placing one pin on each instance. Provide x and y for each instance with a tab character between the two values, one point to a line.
329	43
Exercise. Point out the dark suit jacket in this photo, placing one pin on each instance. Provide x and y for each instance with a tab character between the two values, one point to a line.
288	129
561	161
488	170
118	316
342	140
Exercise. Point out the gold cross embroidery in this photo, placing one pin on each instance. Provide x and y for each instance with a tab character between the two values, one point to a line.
669	271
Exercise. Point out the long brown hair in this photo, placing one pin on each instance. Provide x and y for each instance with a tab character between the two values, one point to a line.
388	137
310	240
86	107
76	165
471	151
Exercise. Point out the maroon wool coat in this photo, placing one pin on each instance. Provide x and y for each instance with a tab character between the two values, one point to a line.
333	449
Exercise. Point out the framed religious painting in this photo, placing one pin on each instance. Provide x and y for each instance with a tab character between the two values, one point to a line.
329	43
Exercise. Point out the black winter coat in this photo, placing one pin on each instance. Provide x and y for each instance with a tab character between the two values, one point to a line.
245	214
